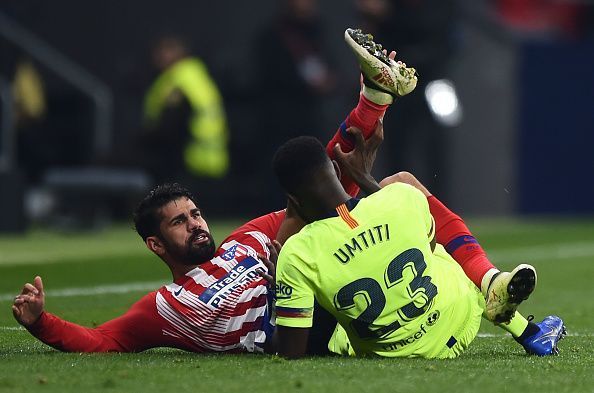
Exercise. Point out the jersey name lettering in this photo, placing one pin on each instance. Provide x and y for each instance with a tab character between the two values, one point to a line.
364	240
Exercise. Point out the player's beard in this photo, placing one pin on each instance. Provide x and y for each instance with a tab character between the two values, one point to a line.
193	254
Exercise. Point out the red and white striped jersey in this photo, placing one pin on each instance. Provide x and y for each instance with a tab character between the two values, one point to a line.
220	306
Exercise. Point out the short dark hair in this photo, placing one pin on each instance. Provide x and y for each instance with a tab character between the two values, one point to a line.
146	215
297	160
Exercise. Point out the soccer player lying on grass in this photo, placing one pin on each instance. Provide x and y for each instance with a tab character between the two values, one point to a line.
374	265
314	271
216	302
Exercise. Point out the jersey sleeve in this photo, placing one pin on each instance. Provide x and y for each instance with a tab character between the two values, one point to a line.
138	329
294	292
267	224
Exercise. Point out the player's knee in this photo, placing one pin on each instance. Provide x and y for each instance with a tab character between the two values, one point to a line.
400	177
405	177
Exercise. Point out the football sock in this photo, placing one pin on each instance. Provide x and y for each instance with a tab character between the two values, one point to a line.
530	330
518	326
453	233
364	117
376	96
487	279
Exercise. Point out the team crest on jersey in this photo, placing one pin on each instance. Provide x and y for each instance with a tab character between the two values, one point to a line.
432	318
235	251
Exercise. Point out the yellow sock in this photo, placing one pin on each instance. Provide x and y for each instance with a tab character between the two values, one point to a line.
516	326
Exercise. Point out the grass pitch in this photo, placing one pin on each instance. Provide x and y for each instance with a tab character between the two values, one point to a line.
92	277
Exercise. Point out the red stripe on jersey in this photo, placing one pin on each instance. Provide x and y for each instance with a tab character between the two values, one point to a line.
344	213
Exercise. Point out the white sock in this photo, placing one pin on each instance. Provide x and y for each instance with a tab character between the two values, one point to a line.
487	280
376	96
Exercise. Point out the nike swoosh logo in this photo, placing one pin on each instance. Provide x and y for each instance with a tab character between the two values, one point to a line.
176	293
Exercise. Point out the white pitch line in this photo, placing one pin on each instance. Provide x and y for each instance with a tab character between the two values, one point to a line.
99	290
544	252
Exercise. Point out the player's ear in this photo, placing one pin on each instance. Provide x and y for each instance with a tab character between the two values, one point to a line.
336	168
155	244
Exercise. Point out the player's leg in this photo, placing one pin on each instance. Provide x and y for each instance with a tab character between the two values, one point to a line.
503	291
383	80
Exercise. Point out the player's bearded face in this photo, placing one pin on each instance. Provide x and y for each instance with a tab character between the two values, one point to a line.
197	249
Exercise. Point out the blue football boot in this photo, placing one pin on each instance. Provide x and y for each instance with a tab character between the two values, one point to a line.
544	342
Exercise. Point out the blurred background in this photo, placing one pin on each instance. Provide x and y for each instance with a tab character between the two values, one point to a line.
102	100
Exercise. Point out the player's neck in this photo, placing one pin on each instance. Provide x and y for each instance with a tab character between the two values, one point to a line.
328	204
179	270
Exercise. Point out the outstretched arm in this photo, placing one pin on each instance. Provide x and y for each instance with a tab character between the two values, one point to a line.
138	329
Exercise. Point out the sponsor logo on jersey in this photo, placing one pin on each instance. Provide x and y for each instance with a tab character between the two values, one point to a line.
283	291
407	341
241	275
432	319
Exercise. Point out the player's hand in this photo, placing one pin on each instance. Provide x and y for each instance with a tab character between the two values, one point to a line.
270	263
28	305
358	163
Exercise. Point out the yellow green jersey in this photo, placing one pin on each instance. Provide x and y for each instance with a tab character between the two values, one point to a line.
371	265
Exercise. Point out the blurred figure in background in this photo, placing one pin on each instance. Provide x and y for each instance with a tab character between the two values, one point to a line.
294	78
35	149
569	19
421	31
185	132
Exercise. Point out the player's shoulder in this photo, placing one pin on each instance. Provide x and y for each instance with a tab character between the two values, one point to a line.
147	302
297	242
252	239
299	246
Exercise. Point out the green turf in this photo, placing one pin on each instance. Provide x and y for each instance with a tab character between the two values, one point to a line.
494	363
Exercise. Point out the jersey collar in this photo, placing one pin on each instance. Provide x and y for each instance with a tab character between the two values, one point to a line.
350	205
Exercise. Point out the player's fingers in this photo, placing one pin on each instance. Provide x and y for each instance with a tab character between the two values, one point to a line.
25	289
376	139
392	55
277	246
358	135
16	312
338	153
38	282
265	261
27	298
273	252
270	267
19	300
266	277
31	289
378	134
